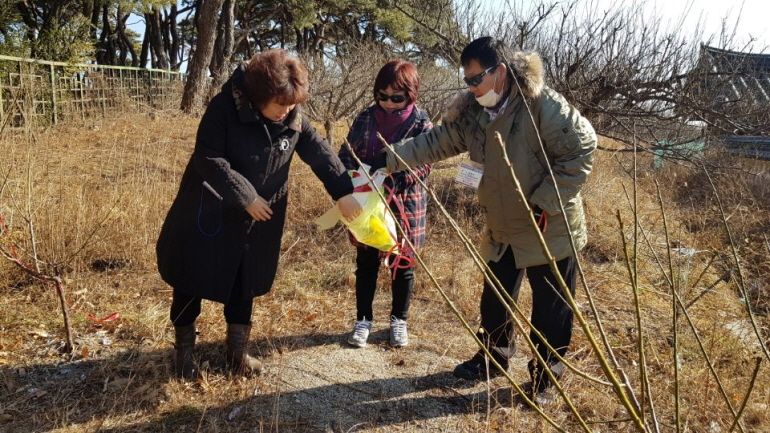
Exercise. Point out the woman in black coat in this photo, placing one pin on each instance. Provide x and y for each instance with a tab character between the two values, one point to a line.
221	238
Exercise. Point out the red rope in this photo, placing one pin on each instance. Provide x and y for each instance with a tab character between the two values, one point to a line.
401	252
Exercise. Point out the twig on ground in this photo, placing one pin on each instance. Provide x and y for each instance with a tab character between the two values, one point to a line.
748	394
674	313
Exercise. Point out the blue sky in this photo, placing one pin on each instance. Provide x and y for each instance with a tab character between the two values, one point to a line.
754	15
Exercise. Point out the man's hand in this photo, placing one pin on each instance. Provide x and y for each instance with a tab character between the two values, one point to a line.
259	209
541	217
349	207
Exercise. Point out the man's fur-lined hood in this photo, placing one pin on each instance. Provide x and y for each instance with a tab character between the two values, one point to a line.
527	69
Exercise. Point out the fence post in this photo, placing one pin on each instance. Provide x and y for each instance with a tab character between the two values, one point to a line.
2	110
137	93
52	74
21	97
82	95
150	92
102	91
121	89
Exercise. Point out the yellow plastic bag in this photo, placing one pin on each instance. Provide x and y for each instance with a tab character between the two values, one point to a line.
375	226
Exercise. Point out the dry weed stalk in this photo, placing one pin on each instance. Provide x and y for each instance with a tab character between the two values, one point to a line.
685	312
758	364
700	277
684	309
741	281
674	313
633	276
28	203
644	377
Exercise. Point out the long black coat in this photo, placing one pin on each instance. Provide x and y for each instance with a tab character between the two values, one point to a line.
208	242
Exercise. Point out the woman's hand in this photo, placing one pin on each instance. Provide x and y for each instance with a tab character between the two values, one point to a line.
349	207
259	209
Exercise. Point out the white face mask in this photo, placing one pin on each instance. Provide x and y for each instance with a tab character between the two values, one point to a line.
491	98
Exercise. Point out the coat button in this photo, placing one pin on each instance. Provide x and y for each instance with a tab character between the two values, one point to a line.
246	247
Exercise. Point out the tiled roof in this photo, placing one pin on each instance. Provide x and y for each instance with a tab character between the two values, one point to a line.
747	74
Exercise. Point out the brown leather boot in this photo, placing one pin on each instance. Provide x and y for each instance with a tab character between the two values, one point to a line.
184	366
238	361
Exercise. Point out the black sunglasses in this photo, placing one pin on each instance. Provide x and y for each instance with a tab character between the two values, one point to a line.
476	79
397	99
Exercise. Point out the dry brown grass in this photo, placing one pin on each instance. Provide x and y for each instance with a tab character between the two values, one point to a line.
102	190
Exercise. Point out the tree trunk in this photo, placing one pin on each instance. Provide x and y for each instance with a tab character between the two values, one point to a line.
176	57
217	55
224	46
118	40
95	8
28	16
298	33
160	60
126	42
249	49
145	50
165	31
318	41
106	52
196	85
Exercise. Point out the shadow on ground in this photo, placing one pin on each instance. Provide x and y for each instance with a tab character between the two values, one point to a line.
43	397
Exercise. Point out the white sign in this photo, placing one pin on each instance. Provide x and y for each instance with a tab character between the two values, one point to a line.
470	173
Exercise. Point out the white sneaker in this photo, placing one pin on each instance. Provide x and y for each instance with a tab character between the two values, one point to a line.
360	333
398	335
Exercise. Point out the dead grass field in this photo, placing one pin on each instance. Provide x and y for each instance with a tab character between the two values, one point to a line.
96	195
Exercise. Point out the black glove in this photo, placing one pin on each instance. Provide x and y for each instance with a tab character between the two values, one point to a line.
541	217
380	161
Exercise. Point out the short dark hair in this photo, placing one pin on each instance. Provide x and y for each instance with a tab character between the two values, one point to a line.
275	75
400	75
486	50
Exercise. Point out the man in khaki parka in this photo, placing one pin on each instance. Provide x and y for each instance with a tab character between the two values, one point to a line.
498	84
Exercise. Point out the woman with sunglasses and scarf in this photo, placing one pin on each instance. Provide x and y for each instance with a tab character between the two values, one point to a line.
395	116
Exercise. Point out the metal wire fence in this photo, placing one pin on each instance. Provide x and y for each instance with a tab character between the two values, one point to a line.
40	92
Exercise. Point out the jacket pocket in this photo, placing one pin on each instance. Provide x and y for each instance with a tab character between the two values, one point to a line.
209	216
